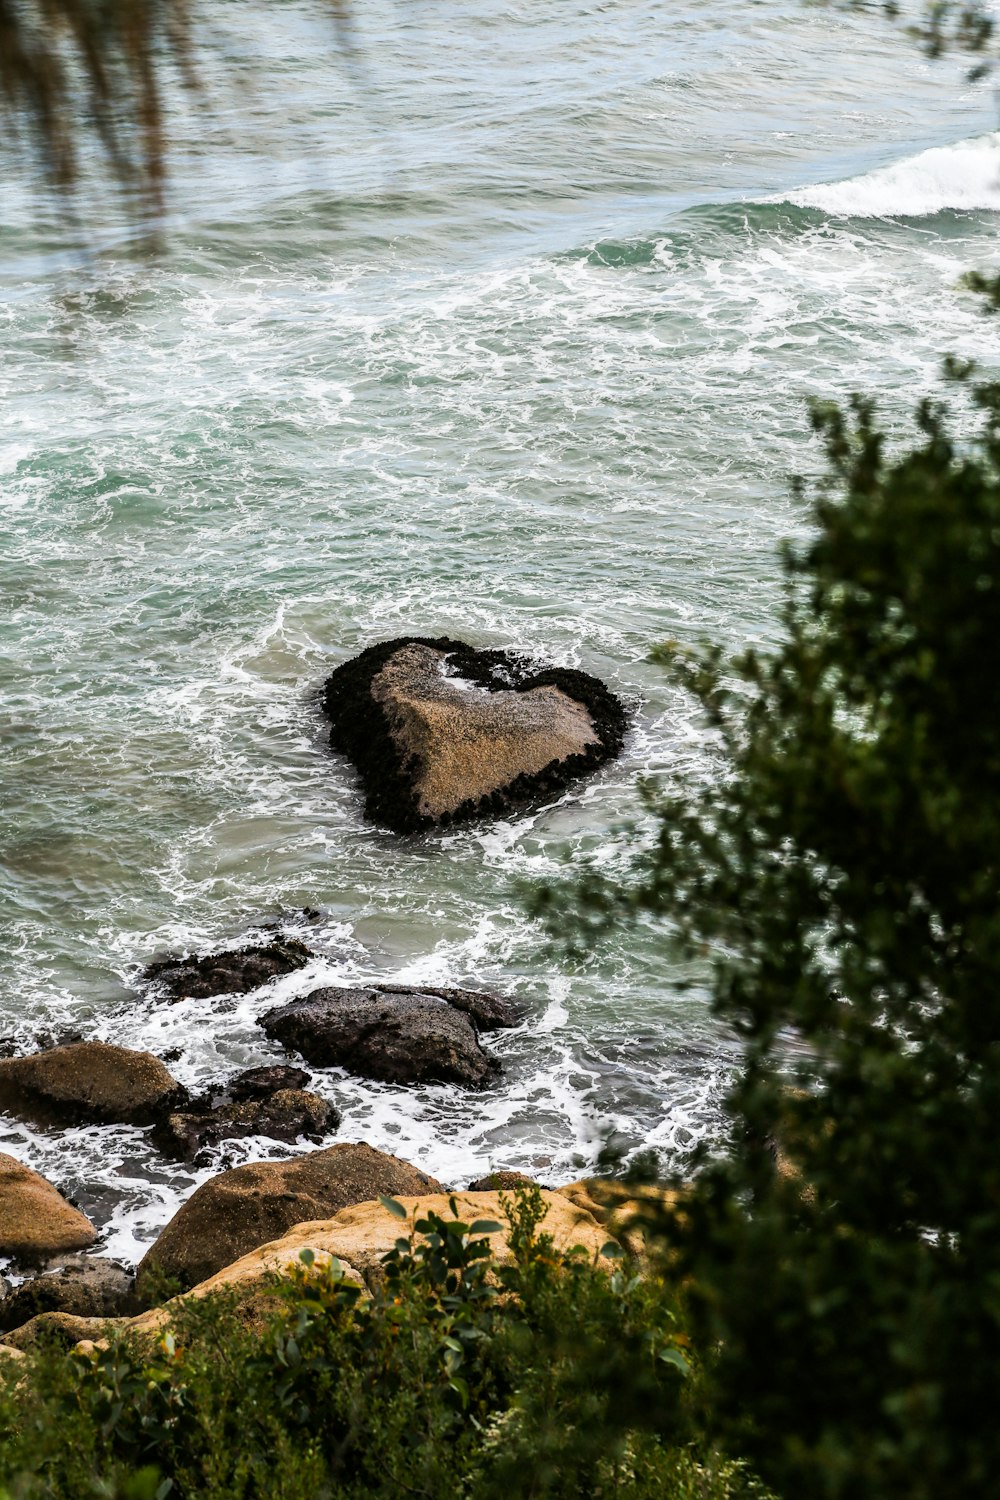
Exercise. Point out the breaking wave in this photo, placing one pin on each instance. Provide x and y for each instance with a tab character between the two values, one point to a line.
961	177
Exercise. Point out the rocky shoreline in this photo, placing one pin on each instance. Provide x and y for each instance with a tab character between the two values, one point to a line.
396	1032
242	1226
439	731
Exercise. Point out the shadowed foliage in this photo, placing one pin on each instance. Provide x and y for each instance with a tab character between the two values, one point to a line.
841	872
458	1376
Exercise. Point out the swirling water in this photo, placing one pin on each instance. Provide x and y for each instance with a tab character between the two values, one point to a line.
501	324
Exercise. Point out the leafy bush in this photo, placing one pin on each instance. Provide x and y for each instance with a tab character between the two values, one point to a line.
458	1377
843	870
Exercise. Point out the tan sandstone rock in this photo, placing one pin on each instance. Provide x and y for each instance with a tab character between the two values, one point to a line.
623	1209
87	1081
236	1212
36	1222
468	743
358	1237
62	1329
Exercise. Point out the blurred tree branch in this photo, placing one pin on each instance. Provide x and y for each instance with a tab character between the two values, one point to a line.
72	71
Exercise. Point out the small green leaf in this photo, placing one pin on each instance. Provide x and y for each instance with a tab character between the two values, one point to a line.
485	1226
307	1257
675	1357
612	1250
396	1209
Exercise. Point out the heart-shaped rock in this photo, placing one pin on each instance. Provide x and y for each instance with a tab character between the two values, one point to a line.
439	731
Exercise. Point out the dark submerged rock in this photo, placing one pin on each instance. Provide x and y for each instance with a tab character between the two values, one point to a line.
234	972
397	1035
82	1287
268	1101
285	1115
261	1083
432	749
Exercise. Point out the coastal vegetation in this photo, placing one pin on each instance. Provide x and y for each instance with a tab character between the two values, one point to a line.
841	872
459	1376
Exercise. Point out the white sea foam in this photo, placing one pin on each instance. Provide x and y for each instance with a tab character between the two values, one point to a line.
964	176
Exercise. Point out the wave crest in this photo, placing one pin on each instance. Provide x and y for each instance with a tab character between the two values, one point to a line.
964	176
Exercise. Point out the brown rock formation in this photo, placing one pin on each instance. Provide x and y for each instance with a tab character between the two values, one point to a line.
358	1237
465	743
440	731
286	1115
88	1081
84	1287
237	1211
36	1222
626	1210
501	1182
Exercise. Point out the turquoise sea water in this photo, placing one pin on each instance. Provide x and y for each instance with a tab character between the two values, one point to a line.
501	325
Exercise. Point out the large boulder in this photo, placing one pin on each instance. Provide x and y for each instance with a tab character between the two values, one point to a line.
236	1211
233	972
82	1287
88	1081
360	1236
36	1222
397	1035
439	731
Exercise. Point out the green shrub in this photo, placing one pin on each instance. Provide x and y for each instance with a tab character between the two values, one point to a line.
459	1377
843	872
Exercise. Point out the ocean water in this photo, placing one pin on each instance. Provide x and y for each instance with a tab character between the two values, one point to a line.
499	323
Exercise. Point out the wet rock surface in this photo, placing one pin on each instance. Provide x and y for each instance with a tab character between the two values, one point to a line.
81	1286
285	1115
36	1222
233	972
501	1182
439	731
88	1082
267	1101
396	1035
237	1211
261	1083
489	1012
